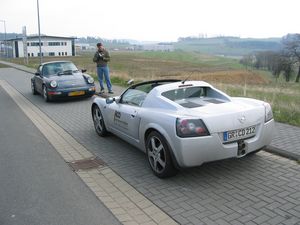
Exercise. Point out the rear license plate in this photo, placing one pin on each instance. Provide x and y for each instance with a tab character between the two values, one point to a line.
76	93
238	134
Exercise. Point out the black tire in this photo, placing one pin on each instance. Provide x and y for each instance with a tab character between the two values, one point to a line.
45	94
159	156
99	121
33	90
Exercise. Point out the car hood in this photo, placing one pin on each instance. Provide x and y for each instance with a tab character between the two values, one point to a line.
228	116
68	81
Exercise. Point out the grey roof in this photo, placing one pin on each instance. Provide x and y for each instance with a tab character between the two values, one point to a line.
42	36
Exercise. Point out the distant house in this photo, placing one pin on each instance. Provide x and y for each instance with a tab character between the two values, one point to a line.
84	47
51	46
162	47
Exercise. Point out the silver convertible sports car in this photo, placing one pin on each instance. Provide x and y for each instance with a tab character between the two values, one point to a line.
184	123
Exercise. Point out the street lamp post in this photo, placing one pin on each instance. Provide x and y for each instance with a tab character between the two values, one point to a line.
5	43
38	12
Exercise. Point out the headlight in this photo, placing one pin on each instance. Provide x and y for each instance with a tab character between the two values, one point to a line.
53	84
190	128
90	80
268	112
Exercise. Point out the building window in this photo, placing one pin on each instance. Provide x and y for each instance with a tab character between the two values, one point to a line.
39	54
51	53
27	44
28	54
62	53
36	44
65	43
32	54
53	43
65	53
59	53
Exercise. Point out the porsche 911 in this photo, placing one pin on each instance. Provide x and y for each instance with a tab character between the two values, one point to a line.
61	79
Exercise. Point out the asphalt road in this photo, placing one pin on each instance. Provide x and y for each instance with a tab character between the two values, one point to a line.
36	185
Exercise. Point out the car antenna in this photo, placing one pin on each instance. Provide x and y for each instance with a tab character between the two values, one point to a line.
187	77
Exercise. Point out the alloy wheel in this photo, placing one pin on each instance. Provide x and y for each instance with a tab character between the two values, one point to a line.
99	121
156	154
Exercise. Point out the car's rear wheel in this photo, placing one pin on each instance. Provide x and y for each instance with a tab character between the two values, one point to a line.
159	156
45	94
33	90
99	122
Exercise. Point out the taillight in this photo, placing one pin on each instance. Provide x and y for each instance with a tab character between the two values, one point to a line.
190	128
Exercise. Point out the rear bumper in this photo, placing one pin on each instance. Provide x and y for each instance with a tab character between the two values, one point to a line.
191	152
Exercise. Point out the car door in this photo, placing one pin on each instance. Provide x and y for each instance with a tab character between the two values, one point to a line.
125	114
38	79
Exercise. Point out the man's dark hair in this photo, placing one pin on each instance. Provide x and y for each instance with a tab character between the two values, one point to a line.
99	44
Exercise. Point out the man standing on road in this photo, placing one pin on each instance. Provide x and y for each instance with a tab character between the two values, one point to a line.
102	57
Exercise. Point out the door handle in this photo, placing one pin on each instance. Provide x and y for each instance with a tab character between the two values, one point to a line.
132	115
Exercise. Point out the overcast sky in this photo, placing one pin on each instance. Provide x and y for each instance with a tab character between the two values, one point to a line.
153	20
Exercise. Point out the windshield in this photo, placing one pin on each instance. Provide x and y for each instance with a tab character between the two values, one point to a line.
59	68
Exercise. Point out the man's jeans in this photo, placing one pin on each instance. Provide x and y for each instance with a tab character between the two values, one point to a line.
104	70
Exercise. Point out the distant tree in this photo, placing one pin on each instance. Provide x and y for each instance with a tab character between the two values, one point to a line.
247	60
291	43
278	62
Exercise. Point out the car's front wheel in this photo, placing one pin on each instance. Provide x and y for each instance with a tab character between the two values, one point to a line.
98	121
45	94
159	156
33	90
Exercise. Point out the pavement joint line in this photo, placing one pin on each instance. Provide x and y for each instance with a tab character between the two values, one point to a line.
127	204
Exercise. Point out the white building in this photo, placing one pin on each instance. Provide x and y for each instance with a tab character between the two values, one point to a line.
162	47
84	47
51	46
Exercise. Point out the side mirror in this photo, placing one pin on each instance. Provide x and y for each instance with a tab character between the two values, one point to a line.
83	70
110	100
37	74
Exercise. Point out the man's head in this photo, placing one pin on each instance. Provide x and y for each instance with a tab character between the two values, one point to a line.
100	46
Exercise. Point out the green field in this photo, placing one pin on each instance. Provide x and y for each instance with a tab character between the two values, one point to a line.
225	73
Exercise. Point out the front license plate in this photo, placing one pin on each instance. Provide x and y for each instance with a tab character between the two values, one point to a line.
238	134
76	93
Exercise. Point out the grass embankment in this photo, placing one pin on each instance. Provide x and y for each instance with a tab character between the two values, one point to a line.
225	73
3	66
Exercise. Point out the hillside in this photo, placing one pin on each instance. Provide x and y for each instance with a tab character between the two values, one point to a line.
227	46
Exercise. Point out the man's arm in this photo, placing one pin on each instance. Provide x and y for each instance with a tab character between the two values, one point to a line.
95	59
106	57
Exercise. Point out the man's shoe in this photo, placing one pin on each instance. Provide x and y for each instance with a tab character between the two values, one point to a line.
110	92
101	91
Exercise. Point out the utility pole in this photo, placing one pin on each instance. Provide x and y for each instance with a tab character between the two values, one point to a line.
5	42
40	44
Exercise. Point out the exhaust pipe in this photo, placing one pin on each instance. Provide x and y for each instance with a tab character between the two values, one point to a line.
241	148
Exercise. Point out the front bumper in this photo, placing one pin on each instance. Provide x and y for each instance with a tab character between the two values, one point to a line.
65	93
191	152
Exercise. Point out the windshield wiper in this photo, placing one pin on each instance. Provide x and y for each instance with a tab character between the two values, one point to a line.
65	72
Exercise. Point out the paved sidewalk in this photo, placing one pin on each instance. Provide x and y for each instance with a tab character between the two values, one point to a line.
286	141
